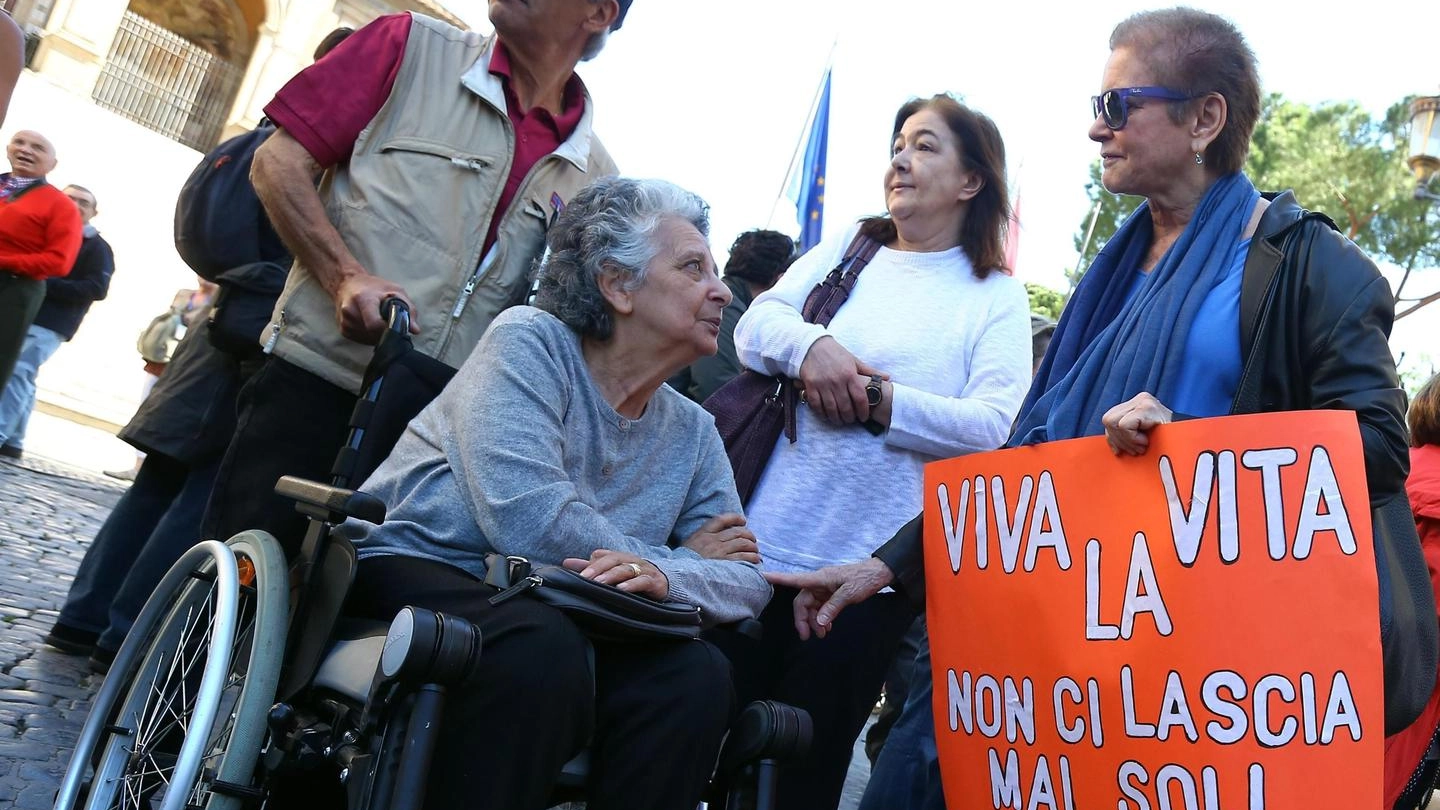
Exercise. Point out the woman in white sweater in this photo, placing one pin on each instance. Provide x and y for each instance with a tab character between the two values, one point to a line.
932	349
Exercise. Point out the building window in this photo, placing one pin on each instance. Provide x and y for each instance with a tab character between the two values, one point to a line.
159	79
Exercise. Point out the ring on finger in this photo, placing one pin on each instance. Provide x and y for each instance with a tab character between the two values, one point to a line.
635	567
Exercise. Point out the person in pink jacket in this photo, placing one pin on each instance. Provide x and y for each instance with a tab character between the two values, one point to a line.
1406	750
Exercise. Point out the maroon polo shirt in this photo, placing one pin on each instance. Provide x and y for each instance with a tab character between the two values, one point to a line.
327	105
537	132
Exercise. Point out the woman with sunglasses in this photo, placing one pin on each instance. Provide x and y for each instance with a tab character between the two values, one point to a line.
1211	299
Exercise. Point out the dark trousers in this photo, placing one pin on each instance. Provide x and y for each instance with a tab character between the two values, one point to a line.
897	688
153	523
290	422
20	299
119	541
655	713
177	531
906	776
836	679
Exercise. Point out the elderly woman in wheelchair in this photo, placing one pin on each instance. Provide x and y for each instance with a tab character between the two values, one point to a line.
556	442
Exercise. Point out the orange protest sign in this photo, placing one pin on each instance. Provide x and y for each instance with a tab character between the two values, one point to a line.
1192	629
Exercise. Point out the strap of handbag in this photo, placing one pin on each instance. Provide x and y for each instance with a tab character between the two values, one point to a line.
822	304
825	300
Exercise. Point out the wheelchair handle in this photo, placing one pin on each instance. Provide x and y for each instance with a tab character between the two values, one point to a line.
396	314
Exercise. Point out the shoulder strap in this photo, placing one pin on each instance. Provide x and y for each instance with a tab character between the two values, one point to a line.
1247	391
828	295
822	304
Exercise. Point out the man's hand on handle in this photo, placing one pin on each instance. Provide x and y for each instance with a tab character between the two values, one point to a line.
357	306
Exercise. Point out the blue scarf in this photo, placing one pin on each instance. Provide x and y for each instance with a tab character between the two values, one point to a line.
1110	345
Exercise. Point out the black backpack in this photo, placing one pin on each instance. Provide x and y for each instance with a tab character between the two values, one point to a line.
219	222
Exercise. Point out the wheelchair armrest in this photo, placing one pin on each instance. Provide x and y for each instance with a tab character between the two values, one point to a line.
766	729
750	628
328	503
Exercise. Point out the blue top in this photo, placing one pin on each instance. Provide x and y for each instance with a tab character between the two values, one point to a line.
1109	347
1210	370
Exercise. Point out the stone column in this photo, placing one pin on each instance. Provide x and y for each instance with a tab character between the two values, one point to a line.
76	42
282	48
252	97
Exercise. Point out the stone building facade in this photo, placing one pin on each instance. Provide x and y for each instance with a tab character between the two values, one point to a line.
217	59
88	90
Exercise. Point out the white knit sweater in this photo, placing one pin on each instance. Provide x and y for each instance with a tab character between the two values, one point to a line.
957	349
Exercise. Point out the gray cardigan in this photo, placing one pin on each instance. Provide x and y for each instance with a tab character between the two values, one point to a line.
520	454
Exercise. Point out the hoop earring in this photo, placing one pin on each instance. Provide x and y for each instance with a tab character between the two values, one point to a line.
1199	159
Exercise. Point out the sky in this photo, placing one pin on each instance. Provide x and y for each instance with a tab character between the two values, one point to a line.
715	95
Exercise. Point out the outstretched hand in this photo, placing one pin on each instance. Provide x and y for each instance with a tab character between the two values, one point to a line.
826	592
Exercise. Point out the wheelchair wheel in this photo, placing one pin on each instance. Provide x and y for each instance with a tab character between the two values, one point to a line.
179	720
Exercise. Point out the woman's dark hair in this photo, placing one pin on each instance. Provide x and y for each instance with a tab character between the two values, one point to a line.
760	257
1424	416
1198	53
982	234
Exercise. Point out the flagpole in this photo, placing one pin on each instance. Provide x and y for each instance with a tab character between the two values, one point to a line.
1084	246
1012	234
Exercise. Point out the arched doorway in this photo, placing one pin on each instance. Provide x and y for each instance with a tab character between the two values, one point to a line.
175	65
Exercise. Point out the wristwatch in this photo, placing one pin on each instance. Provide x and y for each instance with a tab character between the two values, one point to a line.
873	392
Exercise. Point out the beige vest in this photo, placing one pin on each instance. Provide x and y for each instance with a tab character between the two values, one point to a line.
415	201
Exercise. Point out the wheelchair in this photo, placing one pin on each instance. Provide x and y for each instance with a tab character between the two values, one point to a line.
242	686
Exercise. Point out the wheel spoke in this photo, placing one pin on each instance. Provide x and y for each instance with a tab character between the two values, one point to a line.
151	722
165	718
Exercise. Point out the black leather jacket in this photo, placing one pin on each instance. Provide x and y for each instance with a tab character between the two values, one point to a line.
1315	318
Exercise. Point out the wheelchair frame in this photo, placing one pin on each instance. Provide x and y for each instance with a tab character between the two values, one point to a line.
186	712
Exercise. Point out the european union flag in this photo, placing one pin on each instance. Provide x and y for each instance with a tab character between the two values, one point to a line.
810	200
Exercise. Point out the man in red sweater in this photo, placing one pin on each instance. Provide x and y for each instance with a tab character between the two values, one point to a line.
40	233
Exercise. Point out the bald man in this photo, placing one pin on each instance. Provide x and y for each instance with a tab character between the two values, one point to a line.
40	234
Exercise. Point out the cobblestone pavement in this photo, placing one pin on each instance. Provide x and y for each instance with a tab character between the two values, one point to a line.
48	514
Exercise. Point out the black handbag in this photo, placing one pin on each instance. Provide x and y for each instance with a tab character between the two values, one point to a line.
243	306
602	611
753	409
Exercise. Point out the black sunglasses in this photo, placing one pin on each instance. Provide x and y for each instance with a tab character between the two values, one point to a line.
1113	105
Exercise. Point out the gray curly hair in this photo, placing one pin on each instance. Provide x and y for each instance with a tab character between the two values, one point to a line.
609	227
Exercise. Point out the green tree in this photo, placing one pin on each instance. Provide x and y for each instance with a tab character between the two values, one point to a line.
1106	213
1341	160
1045	301
1338	159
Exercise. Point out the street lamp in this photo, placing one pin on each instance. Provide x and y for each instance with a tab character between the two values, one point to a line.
1425	146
